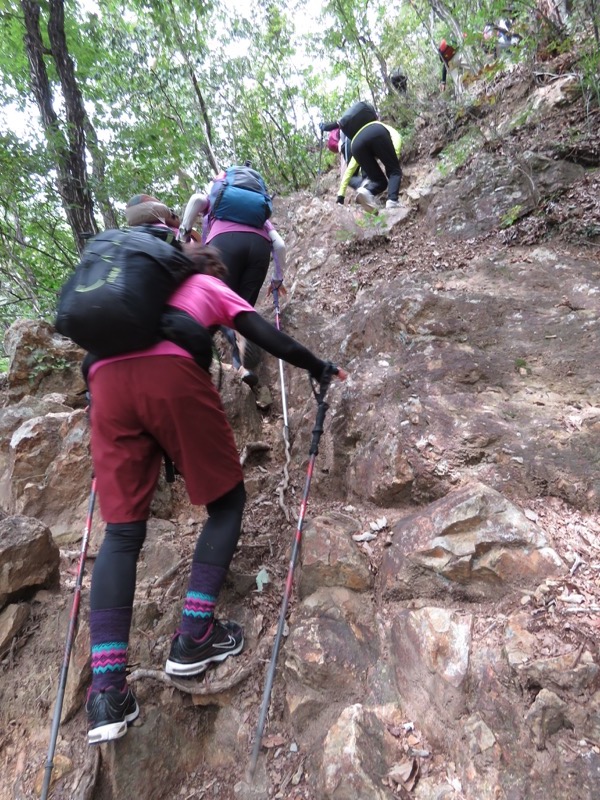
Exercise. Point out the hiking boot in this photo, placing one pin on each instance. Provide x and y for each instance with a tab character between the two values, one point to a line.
190	657
264	398
109	712
248	377
392	204
367	200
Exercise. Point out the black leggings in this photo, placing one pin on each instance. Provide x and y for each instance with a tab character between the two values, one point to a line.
221	531
372	144
246	256
113	578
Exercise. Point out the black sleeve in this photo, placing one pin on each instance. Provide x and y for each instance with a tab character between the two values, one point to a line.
254	327
444	69
86	364
331	126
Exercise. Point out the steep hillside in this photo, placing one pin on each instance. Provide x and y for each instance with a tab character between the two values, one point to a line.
442	638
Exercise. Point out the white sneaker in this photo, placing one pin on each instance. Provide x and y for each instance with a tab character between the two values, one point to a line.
392	204
367	200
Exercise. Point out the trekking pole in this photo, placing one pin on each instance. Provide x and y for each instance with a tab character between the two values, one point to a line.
314	449
286	430
281	374
69	644
320	161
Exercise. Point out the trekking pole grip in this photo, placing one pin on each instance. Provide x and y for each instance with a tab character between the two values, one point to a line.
318	429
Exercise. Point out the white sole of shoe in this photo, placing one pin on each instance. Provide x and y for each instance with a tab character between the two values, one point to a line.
115	730
366	204
189	670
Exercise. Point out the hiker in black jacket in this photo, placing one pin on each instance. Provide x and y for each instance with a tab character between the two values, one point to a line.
372	143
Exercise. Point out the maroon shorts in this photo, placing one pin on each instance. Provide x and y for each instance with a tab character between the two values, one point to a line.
142	407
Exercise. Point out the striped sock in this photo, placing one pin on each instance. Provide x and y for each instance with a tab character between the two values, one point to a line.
109	637
198	609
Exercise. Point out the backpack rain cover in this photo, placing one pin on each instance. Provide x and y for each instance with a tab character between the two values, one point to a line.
240	195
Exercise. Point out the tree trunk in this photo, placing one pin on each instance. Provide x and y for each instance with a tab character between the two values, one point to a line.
67	150
183	49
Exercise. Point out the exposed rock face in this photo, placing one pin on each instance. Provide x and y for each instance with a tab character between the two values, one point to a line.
430	651
472	544
357	748
42	361
331	647
28	557
330	557
50	471
12	619
499	193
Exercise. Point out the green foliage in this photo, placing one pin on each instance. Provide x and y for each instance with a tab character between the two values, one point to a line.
590	76
173	88
43	363
371	222
511	216
457	153
344	236
522	367
36	247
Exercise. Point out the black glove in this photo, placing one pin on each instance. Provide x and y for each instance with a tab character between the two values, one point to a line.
325	372
182	329
322	127
340	199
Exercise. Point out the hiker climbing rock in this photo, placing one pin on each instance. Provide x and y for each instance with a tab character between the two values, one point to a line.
143	209
115	301
500	37
371	142
453	62
236	222
399	80
145	403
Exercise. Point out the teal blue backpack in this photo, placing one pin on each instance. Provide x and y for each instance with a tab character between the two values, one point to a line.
240	195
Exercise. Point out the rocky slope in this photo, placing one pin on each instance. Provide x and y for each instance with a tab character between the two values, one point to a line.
443	632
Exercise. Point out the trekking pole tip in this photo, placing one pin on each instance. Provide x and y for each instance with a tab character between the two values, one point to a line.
251	771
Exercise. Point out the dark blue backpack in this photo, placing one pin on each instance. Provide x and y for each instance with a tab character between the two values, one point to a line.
240	195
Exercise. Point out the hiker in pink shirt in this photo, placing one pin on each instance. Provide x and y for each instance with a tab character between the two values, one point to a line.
145	404
245	239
